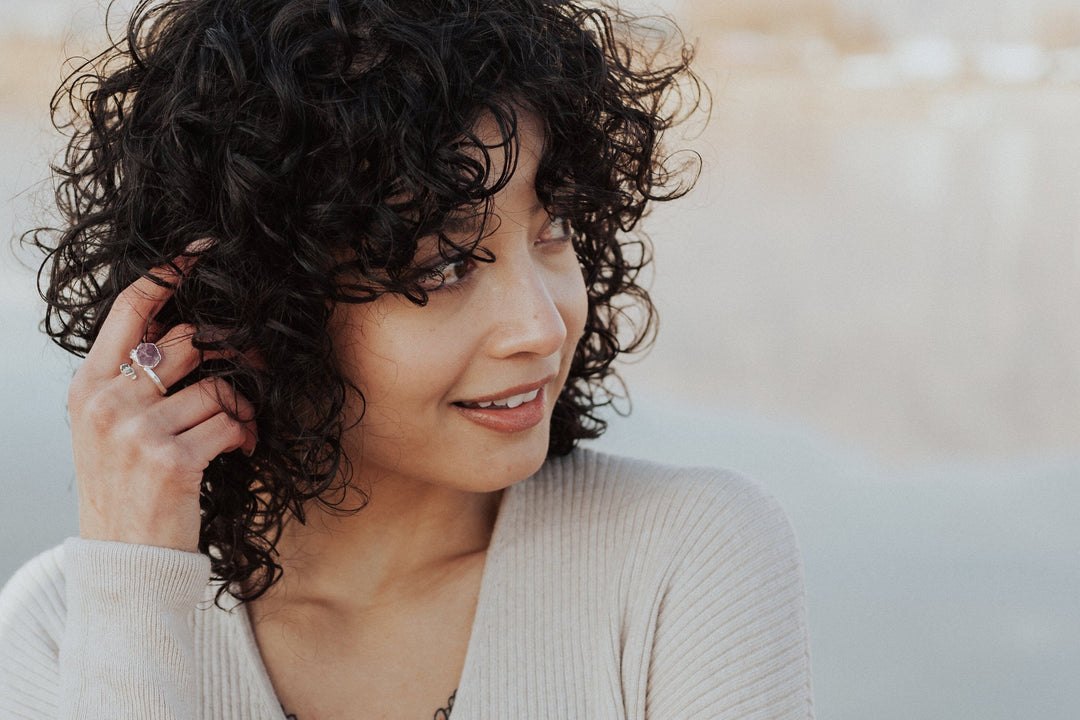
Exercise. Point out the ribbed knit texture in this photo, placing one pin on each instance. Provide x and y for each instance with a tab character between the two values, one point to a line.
612	589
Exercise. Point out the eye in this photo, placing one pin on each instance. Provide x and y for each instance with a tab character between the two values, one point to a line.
447	274
557	230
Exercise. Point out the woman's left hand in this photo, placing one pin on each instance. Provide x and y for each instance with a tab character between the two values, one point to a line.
140	453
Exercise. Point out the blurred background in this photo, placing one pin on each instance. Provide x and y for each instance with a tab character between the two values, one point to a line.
869	304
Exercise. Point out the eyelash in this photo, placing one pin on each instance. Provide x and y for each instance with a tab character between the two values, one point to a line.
568	229
434	278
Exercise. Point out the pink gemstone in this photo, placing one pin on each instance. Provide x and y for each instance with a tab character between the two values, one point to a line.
147	355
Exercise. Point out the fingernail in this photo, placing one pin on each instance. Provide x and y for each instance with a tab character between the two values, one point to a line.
197	246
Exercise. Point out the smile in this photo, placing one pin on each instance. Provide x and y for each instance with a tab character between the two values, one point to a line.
507	403
509	414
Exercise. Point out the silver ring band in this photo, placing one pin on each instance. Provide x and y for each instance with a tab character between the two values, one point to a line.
157	381
147	355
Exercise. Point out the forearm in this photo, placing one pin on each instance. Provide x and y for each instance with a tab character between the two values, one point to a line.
128	646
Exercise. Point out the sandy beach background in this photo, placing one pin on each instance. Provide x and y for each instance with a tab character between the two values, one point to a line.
869	304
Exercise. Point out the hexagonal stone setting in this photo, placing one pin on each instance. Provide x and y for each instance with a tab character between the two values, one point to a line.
146	355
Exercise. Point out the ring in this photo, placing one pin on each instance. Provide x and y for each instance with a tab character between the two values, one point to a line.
157	381
147	355
127	371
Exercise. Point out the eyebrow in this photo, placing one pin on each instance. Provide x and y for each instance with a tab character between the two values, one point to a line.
472	224
464	224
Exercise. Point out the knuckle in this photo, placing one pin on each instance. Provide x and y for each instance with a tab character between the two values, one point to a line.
226	424
181	332
167	459
239	429
83	389
245	411
129	431
229	400
228	430
185	329
214	391
77	392
100	411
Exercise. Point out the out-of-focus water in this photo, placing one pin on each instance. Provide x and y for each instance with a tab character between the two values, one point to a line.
901	268
869	304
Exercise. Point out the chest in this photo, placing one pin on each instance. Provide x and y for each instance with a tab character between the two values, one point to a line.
399	659
539	647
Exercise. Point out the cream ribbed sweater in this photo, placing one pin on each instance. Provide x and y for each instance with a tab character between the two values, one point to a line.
612	589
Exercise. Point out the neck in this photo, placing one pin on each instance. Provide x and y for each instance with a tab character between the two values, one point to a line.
407	538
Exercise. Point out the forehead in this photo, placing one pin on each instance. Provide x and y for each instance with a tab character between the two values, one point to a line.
512	156
513	138
514	152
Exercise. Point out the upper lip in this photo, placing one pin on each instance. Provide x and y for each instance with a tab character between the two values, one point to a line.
510	392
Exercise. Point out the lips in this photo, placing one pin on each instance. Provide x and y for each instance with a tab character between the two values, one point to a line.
513	410
510	397
506	403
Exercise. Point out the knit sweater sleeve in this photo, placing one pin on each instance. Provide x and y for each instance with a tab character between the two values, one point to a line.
101	630
730	637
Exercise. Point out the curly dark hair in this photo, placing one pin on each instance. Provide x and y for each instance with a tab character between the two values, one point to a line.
314	142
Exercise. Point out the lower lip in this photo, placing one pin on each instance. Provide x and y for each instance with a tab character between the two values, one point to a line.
508	420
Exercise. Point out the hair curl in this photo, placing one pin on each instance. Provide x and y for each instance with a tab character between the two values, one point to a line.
314	141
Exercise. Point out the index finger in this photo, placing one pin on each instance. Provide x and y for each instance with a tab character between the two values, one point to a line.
133	309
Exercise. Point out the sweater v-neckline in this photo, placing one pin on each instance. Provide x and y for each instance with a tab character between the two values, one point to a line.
465	684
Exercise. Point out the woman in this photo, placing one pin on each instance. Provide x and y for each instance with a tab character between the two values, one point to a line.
347	275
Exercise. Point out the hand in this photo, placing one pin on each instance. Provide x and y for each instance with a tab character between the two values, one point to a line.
140	455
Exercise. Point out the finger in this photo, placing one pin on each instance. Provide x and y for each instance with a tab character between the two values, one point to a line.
179	357
199	403
215	435
131	312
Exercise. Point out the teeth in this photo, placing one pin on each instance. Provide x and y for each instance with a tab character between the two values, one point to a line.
511	402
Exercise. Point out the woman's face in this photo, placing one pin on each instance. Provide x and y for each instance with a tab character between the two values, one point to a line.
459	393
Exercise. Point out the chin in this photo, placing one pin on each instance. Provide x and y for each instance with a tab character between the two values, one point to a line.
507	467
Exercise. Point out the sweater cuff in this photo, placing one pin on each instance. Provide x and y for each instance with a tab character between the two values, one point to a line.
128	647
135	578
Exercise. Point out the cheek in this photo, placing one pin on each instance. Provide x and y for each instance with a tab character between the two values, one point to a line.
408	361
574	307
376	352
400	369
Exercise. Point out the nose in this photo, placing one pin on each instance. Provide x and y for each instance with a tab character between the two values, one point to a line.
527	310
